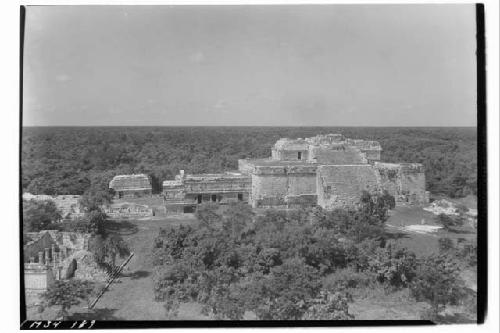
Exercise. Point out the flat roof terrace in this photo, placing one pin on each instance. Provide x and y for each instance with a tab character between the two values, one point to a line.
271	162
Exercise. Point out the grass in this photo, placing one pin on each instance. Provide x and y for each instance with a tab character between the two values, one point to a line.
375	302
421	244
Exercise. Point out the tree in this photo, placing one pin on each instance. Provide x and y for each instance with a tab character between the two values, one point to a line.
237	218
66	293
107	249
329	306
94	198
449	222
445	244
437	281
37	215
116	247
207	214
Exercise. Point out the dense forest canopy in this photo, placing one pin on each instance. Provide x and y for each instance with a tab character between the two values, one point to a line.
67	160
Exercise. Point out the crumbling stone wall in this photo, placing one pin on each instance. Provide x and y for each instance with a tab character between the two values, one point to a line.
405	181
272	184
48	241
413	183
131	186
40	242
37	279
289	149
341	185
127	210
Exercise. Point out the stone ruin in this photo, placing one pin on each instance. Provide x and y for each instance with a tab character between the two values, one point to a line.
329	171
68	205
52	255
186	191
131	186
121	210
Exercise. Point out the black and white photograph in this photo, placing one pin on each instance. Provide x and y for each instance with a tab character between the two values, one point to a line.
256	164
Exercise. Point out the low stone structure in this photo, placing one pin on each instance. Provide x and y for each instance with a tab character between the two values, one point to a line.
127	210
68	205
52	255
130	186
182	194
37	279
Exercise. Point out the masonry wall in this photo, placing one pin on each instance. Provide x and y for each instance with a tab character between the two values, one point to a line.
345	155
245	166
31	249
405	181
413	183
290	154
272	185
37	279
390	178
341	185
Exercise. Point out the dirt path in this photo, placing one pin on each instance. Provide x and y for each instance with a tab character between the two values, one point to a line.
131	296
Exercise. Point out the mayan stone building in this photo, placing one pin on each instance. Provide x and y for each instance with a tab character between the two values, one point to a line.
131	186
186	191
330	171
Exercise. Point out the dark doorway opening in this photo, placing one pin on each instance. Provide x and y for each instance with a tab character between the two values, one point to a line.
189	209
199	198
299	155
240	196
214	198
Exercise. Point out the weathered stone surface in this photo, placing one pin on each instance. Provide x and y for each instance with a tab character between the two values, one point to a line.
405	181
292	177
135	185
342	185
186	191
127	209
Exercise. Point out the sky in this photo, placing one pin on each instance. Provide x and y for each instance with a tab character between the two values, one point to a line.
302	65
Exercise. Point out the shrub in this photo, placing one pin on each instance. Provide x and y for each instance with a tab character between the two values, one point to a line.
328	306
66	293
445	244
449	222
437	282
347	278
38	215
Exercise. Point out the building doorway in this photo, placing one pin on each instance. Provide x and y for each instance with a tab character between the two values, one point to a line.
299	155
214	197
240	196
189	209
200	198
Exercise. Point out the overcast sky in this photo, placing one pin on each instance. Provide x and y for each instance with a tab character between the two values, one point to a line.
327	65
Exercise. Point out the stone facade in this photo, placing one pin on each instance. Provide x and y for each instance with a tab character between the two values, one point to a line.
330	171
131	186
342	185
186	191
326	170
127	210
52	255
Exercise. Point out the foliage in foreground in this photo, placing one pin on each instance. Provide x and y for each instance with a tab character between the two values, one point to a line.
66	293
271	264
38	215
